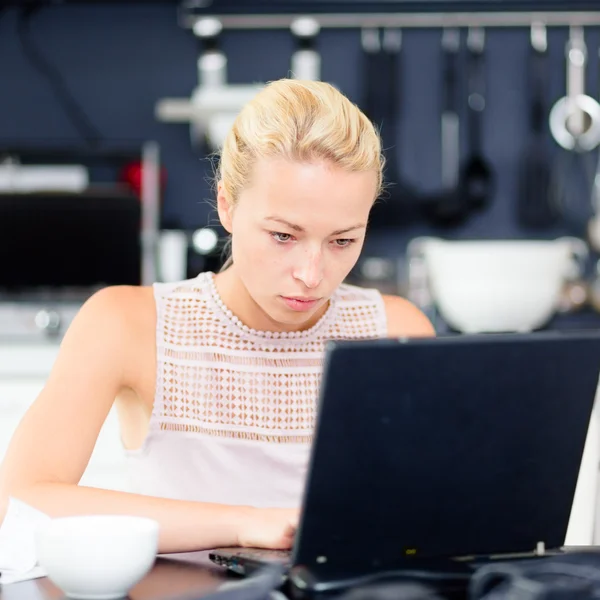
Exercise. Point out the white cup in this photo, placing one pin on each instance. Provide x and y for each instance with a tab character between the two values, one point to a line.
97	557
499	285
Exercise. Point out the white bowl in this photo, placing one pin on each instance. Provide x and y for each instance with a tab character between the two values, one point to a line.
499	285
97	557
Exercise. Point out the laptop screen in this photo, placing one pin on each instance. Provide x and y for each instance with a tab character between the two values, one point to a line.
446	447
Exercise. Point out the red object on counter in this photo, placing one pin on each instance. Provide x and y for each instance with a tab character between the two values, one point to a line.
132	176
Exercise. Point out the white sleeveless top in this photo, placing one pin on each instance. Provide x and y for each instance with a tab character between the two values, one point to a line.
235	408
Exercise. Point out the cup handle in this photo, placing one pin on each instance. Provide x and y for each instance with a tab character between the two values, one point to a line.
418	281
579	254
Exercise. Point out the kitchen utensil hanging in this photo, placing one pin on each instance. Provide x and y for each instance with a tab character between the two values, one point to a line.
575	118
575	126
450	126
382	54
594	222
471	187
477	178
448	207
535	208
594	238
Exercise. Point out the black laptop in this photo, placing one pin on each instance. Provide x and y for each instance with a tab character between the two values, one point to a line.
441	451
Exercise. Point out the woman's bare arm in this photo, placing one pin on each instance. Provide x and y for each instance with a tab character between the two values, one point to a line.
53	444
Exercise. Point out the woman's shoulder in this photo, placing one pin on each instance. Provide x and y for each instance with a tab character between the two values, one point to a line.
110	334
123	307
137	306
405	319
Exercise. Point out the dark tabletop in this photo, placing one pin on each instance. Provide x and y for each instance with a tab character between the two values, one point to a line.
173	576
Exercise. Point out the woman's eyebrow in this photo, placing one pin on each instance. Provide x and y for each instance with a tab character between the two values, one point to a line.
299	228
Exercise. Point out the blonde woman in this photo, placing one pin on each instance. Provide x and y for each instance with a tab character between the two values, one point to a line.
215	379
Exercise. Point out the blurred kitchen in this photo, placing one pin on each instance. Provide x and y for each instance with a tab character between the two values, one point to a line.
110	113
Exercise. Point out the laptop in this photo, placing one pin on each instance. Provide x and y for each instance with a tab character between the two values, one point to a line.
439	453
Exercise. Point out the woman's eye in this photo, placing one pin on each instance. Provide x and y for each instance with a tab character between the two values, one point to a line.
281	237
343	243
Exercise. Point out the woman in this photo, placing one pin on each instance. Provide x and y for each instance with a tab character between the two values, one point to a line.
216	379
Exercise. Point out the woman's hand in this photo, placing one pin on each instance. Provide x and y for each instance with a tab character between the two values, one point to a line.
272	528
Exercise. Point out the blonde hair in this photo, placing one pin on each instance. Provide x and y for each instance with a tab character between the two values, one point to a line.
298	120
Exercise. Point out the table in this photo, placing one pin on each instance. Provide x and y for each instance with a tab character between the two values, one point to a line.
171	576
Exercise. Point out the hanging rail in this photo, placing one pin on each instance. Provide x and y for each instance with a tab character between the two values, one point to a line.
403	20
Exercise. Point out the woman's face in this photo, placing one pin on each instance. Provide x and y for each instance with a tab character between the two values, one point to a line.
297	231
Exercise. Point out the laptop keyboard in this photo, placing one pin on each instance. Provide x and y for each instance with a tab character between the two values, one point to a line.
260	554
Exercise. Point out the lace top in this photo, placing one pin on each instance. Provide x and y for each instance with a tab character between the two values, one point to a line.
235	408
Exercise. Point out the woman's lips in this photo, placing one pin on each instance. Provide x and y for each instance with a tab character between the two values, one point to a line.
299	303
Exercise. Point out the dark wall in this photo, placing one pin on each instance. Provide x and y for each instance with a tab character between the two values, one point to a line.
118	61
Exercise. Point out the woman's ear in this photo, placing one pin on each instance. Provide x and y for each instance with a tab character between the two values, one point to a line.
224	208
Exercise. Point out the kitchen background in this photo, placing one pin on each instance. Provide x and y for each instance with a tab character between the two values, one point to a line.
86	85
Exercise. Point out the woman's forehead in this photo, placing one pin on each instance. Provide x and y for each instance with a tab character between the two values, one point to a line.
282	184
